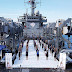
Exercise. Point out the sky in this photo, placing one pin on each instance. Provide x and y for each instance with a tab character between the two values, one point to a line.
52	9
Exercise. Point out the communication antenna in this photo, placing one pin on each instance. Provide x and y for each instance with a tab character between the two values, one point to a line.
33	4
28	2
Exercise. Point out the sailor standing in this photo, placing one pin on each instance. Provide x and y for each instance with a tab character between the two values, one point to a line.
34	43
42	45
36	48
55	54
47	55
37	54
27	52
52	50
19	51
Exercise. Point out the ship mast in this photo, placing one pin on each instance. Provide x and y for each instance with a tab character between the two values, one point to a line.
32	7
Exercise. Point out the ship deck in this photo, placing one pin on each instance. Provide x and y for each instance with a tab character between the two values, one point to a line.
32	61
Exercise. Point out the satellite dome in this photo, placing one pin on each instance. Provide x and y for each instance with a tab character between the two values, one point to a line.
37	12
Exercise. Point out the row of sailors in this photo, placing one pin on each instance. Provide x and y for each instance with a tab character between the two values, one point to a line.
44	46
27	50
20	48
46	49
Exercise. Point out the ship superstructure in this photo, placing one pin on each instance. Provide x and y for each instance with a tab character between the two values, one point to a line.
33	24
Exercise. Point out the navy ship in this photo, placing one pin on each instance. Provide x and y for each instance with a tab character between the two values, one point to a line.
33	26
33	23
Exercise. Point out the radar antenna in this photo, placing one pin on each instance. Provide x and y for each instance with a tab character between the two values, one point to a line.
33	5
